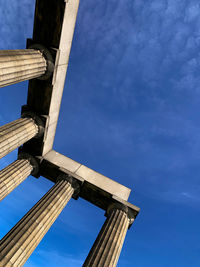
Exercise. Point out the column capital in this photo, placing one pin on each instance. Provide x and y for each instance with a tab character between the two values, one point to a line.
48	57
122	207
116	206
38	121
33	161
108	244
74	183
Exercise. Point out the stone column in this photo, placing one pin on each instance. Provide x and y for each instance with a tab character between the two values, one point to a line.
107	247
23	238
16	173
16	133
21	65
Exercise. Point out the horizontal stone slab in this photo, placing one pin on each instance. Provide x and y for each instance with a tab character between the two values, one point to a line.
84	173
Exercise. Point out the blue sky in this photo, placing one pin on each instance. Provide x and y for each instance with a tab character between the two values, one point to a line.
130	111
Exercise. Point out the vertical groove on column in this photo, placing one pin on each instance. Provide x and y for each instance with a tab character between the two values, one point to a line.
16	133
13	175
20	65
23	238
108	245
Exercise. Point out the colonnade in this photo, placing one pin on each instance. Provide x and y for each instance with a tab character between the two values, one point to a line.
23	238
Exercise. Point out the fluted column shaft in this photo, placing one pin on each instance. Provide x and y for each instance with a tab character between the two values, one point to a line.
13	175
20	65
16	133
23	238
107	247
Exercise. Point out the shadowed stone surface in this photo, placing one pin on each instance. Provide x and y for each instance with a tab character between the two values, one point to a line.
53	28
54	31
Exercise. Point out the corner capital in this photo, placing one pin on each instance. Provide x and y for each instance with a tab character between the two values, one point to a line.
74	183
33	161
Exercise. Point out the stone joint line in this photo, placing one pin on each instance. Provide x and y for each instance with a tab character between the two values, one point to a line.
44	63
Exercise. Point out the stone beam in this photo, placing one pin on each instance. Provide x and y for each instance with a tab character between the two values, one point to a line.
55	32
96	188
84	173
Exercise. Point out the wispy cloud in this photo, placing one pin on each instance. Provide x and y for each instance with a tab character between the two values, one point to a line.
16	23
130	108
143	100
153	44
54	259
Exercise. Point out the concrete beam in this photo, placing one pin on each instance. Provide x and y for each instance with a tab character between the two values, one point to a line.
84	173
55	32
96	188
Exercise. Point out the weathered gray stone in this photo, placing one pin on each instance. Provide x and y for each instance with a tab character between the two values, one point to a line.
55	31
